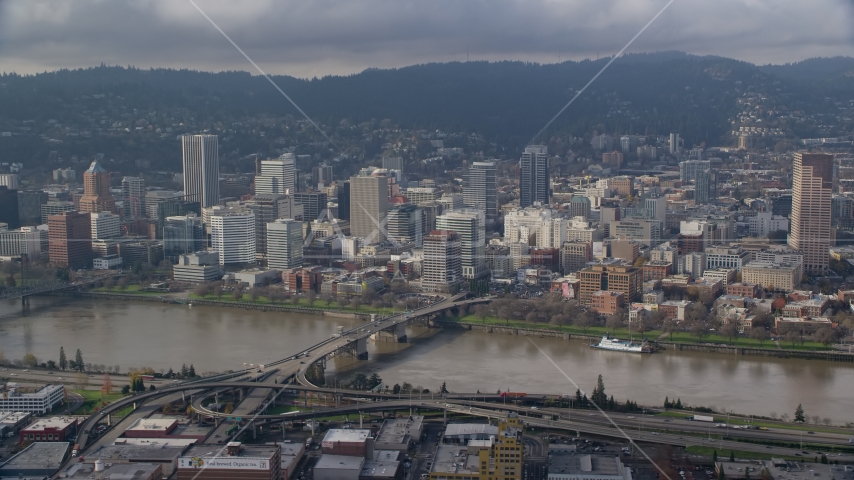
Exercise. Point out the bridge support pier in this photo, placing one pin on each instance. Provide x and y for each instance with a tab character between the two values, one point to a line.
362	349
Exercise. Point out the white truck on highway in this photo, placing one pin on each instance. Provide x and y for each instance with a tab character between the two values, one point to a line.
701	418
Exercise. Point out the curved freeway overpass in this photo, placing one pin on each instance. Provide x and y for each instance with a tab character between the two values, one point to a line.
293	366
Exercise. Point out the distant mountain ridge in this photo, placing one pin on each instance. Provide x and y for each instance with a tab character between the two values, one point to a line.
506	102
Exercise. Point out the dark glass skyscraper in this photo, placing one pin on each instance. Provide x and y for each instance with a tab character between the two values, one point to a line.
534	176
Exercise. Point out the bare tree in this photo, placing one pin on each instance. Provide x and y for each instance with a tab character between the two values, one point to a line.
816	419
615	320
729	330
699	329
759	334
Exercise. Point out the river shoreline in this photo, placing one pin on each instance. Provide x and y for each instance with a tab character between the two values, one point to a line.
830	356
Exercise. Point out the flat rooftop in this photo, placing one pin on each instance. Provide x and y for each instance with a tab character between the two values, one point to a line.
340	462
57	423
459	429
568	463
116	471
37	455
136	453
396	431
208	451
346	435
387	455
153	424
375	469
455	460
784	470
156	442
13	417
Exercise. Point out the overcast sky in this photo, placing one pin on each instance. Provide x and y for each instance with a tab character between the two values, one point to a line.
306	38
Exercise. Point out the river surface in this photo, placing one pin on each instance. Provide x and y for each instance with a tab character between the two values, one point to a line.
160	336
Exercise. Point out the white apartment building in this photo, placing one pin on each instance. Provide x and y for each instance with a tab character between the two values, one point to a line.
471	226
29	240
442	268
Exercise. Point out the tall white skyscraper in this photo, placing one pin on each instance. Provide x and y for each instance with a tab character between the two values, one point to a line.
233	237
201	169
534	176
368	207
480	190
284	244
674	143
277	177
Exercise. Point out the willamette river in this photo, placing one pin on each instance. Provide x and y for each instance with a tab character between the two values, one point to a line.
160	336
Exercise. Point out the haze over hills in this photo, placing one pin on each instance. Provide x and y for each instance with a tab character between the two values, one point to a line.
504	102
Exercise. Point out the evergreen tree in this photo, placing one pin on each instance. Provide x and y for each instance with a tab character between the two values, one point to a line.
721	474
678	405
731	456
799	414
599	397
612	404
63	362
78	359
666	403
715	456
824	459
578	400
191	372
151	388
184	370
170	373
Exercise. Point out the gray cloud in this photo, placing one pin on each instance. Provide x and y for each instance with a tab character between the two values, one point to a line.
306	38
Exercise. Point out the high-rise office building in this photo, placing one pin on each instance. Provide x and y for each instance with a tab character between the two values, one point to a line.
442	270
368	207
674	143
183	235
321	176
133	198
406	224
313	204
393	163
534	176
70	239
812	189
9	207
343	198
689	169
9	180
471	226
277	176
105	225
233	236
30	205
201	169
96	190
268	208
480	190
579	206
702	187
284	244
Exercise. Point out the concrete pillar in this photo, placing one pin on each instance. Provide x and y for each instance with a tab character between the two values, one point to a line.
240	394
445	416
254	431
362	349
400	332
